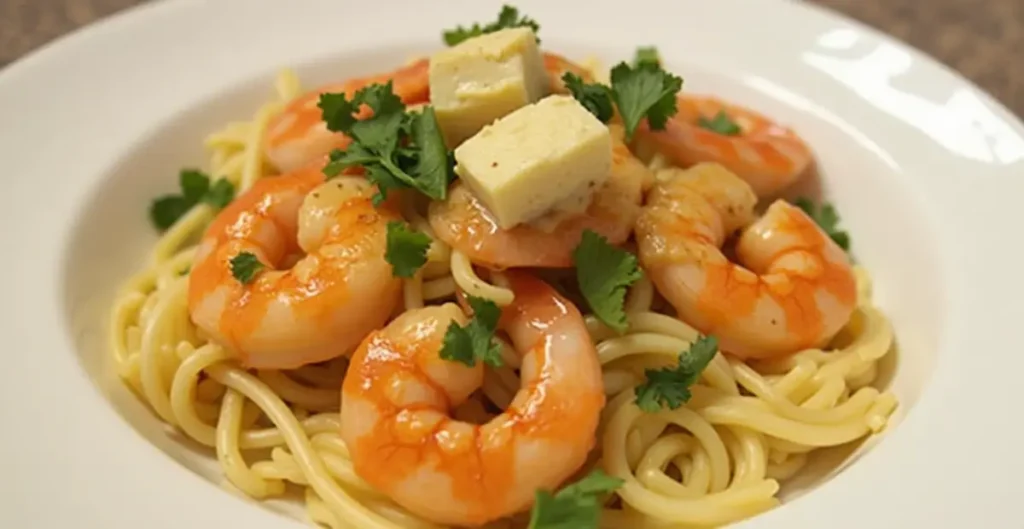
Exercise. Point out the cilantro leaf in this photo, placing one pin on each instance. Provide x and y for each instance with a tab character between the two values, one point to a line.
507	18
220	194
397	148
827	218
577	506
670	386
194	184
166	210
647	55
195	187
337	111
435	166
604	272
475	341
245	266
595	97
644	91
721	124
406	249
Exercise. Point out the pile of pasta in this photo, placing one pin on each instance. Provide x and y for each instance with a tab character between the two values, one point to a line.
719	458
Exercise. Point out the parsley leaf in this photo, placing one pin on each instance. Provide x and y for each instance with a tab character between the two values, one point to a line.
827	218
721	124
406	249
165	211
577	506
195	188
475	340
507	18
194	184
647	55
220	194
595	97
670	386
397	148
604	272
245	266
644	91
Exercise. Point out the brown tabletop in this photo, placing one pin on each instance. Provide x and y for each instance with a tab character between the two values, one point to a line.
983	39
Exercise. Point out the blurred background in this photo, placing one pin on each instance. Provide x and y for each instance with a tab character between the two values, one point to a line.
982	39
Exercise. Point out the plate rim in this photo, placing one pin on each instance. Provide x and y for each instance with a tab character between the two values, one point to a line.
207	509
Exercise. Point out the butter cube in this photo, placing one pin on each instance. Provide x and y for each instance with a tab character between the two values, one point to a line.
536	159
484	78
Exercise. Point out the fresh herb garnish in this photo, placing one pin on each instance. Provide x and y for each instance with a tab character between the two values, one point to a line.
507	18
603	273
595	97
721	124
245	266
827	218
475	341
195	188
406	249
647	55
398	149
577	506
670	386
644	91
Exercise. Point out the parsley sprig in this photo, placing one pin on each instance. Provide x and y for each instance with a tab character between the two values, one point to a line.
827	218
577	506
398	149
595	97
604	273
245	267
640	91
195	187
406	249
670	386
647	54
721	123
475	341
507	18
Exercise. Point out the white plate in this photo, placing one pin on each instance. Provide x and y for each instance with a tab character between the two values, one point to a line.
927	171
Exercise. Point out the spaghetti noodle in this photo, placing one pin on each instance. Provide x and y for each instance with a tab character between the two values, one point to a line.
718	459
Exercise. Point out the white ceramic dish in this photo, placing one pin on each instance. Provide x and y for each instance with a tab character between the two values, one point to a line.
926	169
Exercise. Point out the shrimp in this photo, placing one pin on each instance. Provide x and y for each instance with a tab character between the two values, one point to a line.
557	66
298	134
323	305
465	224
767	156
797	291
398	393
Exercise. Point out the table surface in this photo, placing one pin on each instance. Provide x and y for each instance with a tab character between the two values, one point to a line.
976	37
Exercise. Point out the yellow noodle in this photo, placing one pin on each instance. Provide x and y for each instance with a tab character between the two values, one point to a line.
716	460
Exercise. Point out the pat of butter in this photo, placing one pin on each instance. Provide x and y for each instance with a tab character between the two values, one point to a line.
551	153
484	78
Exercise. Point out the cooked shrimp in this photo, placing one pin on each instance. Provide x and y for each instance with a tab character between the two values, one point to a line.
466	225
298	134
398	394
323	305
767	156
557	66
796	291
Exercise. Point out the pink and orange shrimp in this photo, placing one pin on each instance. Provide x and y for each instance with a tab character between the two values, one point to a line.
298	134
465	224
792	287
766	155
339	288
399	393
